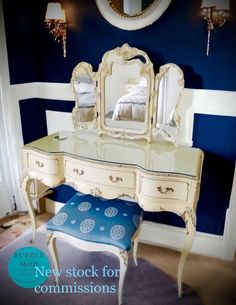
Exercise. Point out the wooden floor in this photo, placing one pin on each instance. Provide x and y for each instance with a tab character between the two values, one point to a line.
213	279
22	224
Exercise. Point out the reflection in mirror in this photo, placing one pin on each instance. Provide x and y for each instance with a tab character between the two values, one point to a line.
169	85
83	84
125	96
130	7
125	79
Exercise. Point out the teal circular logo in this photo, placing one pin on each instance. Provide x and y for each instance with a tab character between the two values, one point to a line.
28	267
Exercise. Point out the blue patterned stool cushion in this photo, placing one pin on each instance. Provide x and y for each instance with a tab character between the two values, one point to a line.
95	219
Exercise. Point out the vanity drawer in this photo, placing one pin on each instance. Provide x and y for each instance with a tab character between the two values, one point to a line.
46	165
100	175
165	188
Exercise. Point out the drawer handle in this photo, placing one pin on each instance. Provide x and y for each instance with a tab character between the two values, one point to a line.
166	190
40	164
116	179
78	172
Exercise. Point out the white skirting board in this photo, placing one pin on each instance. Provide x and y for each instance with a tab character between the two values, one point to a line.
170	236
173	238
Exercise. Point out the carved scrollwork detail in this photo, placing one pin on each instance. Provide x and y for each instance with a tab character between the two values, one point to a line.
96	192
189	214
162	190
124	256
126	51
126	195
115	179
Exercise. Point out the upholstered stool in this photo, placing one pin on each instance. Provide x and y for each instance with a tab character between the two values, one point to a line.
96	224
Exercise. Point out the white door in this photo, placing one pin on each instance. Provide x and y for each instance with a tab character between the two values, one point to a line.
6	174
5	198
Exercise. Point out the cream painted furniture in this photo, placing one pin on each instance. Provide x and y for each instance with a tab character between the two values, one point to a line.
158	175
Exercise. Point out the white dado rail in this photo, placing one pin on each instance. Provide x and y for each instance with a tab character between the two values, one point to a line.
194	101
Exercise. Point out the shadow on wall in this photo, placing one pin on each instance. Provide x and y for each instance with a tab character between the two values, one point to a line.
217	177
191	78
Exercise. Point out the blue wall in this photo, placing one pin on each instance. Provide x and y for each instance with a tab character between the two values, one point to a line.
179	36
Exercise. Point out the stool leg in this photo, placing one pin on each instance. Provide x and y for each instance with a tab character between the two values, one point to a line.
53	251
135	243
123	257
135	248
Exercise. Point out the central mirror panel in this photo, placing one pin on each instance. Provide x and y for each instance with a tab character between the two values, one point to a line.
126	81
126	97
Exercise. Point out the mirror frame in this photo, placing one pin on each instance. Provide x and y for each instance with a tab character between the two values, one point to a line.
86	70
151	128
150	15
125	55
176	117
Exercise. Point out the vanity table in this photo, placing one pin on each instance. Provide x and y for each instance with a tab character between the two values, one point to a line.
126	122
158	175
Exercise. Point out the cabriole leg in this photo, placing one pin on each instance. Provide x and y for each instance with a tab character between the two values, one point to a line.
54	254
26	184
189	216
135	244
123	257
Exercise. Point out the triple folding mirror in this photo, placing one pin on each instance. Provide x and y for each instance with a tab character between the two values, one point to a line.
125	98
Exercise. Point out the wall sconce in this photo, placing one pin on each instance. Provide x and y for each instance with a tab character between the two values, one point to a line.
215	12
56	23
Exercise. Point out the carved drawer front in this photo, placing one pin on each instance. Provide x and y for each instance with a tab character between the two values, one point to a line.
165	188
46	165
99	175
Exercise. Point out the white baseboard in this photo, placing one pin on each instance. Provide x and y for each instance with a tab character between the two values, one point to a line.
173	238
168	236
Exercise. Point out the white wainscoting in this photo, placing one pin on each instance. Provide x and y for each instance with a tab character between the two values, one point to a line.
194	101
56	119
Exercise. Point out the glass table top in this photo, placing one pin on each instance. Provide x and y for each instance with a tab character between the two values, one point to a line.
156	156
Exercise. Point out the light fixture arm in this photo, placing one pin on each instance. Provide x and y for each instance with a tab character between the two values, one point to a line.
215	18
56	23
